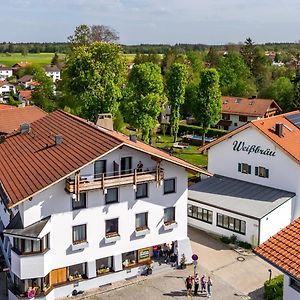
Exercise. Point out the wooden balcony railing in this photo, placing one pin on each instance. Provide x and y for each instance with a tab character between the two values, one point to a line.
83	183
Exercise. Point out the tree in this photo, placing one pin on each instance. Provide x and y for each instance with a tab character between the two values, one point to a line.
93	79
208	105
85	34
143	98
24	51
247	52
55	59
176	82
213	57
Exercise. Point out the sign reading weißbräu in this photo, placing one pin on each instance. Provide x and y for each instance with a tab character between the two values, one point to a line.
241	146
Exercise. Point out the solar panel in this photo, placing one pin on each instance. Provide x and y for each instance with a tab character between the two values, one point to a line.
294	119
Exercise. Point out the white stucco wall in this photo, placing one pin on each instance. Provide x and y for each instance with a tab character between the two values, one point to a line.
237	123
55	201
288	292
284	172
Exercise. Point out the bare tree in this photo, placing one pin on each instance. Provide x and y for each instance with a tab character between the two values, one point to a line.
102	33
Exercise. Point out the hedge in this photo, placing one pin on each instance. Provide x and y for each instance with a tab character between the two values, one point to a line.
197	130
273	289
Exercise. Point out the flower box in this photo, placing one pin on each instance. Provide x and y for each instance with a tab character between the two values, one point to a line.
170	225
80	246
103	271
142	231
112	238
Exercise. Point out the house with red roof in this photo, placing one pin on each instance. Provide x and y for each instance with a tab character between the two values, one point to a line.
283	251
84	205
255	190
238	111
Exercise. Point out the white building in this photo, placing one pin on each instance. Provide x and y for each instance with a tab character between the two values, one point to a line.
256	187
238	111
83	206
5	73
53	72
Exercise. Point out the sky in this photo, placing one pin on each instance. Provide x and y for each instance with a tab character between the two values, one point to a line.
153	21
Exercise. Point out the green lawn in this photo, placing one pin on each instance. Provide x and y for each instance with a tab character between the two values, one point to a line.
129	57
36	58
191	154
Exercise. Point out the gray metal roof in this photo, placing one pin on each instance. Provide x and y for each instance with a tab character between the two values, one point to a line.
16	227
238	196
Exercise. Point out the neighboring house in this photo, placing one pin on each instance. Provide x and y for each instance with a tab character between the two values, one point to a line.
6	87
11	119
255	190
238	111
5	73
25	81
283	251
53	72
22	64
25	96
165	115
80	211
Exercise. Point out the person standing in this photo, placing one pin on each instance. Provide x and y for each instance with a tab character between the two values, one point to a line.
209	287
196	284
203	284
189	285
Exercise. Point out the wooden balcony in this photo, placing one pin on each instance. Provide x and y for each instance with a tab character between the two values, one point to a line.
86	183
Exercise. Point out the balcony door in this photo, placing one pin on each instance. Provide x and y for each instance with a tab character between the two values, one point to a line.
99	168
126	165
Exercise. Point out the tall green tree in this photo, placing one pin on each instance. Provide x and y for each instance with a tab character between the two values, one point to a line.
143	98
176	83
208	106
93	79
247	52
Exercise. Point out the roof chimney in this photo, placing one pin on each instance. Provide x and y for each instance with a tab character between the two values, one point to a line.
24	128
133	138
58	139
105	121
279	129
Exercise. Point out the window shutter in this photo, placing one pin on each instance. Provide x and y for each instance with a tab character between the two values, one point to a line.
267	173
239	167
249	169
256	171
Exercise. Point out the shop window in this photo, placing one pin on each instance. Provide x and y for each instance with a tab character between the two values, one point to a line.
76	272
79	234
244	168
201	214
141	221
141	191
112	196
169	186
262	172
169	215
79	203
129	259
111	228
104	265
231	223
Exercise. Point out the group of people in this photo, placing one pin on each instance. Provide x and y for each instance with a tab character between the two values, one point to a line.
204	283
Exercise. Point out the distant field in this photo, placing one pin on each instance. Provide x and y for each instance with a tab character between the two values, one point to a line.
129	57
40	58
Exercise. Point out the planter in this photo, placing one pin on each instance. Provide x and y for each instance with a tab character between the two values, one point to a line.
112	239
170	226
142	232
79	246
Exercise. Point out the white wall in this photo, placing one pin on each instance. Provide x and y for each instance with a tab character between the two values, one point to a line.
55	201
252	225
288	292
276	220
284	172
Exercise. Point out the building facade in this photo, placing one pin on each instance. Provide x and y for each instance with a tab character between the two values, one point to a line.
105	202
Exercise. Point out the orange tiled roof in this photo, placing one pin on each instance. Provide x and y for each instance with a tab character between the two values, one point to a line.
283	249
41	163
247	107
6	106
26	94
3	82
10	119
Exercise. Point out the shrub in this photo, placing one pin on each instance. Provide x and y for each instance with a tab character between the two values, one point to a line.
233	239
212	132
273	289
244	245
225	239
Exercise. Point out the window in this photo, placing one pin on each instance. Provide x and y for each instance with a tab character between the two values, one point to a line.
129	259
25	246
77	271
243	118
295	284
99	168
169	186
112	196
79	234
169	215
22	286
199	213
79	203
141	221
141	191
231	223
126	165
262	172
111	227
226	117
104	265
244	168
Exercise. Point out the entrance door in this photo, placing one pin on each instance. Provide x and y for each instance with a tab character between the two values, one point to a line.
126	165
58	276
